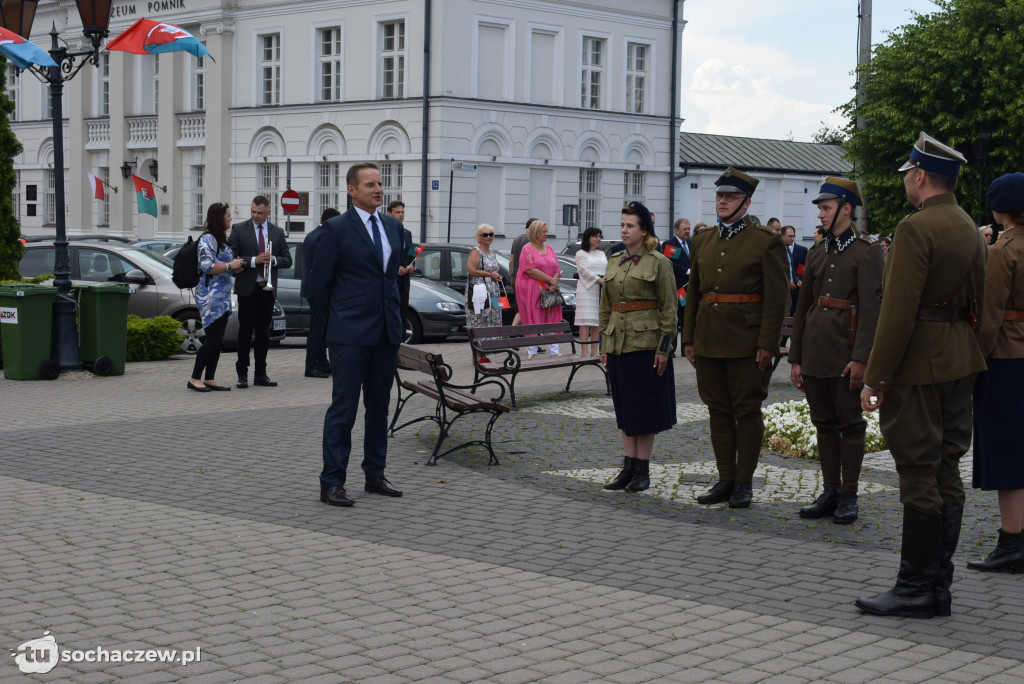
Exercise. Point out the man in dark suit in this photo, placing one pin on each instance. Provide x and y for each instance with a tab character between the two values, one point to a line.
355	279
680	240
396	210
317	364
797	261
258	242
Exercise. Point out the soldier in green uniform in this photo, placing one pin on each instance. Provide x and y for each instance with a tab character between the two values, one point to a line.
737	299
921	373
833	330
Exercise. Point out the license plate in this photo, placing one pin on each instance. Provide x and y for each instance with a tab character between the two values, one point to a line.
279	325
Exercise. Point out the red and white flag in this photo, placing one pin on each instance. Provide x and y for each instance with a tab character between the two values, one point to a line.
97	186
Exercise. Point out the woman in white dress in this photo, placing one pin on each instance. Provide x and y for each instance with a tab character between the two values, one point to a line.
591	264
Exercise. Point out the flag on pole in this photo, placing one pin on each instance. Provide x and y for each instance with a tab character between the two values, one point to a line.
672	251
148	37
681	293
21	52
145	195
414	250
97	187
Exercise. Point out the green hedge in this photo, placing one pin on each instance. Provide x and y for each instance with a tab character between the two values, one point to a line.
152	339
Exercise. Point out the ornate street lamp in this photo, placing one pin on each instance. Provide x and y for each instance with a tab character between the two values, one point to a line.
17	16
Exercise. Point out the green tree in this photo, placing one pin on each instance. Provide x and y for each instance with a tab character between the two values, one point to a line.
954	73
11	248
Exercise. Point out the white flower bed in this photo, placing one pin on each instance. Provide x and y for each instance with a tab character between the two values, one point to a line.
788	429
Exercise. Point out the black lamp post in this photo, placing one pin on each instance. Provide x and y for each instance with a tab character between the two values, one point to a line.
980	149
17	16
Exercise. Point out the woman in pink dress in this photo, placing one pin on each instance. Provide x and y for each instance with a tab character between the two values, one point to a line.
537	264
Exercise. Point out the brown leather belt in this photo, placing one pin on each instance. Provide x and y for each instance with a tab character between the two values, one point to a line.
940	314
832	303
1015	316
634	306
716	298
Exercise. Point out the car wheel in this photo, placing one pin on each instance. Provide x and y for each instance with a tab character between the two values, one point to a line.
413	329
191	330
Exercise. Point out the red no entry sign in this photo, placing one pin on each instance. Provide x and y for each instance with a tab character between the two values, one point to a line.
289	201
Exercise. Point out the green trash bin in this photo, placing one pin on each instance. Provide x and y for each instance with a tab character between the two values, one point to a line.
26	321
103	327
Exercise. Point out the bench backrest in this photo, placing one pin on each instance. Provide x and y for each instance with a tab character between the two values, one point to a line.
787	326
514	336
432	364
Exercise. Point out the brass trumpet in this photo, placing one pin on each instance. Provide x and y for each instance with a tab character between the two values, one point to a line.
268	274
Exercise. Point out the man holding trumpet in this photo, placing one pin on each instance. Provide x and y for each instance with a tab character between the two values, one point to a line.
263	250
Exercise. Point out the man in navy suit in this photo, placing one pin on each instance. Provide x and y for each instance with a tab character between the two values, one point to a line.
317	364
680	264
355	280
797	260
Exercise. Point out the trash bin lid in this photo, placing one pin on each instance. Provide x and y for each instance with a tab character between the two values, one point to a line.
26	290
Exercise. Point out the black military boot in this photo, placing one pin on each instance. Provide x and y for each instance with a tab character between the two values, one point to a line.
919	567
846	511
951	519
824	505
641	476
717	494
1008	556
624	476
742	495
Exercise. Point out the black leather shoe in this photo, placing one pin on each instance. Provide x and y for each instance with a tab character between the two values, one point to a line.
335	495
381	485
717	494
218	388
316	374
204	388
742	495
846	511
823	506
242	383
263	381
1007	557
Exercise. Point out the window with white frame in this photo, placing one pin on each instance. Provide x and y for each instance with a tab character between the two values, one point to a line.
636	78
103	86
49	197
198	85
392	55
270	69
328	186
329	49
590	199
104	210
12	90
634	187
592	73
198	201
391	179
268	178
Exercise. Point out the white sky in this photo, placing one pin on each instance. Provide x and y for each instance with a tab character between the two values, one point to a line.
775	68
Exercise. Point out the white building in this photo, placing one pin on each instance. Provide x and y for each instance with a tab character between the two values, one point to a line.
554	102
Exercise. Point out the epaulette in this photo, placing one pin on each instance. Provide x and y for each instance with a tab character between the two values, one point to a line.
770	231
703	230
816	245
866	238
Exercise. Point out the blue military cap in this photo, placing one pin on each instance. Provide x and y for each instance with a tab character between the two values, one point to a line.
931	155
1006	194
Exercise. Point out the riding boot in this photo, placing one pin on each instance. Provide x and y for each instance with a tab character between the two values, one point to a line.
1008	556
951	518
641	476
823	506
912	596
624	476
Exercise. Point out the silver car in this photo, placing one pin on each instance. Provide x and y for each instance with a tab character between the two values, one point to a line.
148	275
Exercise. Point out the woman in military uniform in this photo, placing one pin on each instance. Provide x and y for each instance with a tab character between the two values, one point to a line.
637	322
998	397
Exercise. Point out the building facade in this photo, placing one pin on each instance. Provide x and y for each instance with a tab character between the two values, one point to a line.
531	105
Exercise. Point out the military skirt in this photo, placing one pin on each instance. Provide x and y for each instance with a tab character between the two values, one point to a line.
998	407
644	401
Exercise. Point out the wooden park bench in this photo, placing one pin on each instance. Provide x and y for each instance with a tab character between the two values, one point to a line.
453	401
496	353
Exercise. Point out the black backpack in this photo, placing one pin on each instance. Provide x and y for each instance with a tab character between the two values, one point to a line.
186	265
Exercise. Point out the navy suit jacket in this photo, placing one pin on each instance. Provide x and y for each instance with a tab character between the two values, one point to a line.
799	259
361	299
308	253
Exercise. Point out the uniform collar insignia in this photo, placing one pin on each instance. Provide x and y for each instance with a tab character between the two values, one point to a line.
729	232
843	241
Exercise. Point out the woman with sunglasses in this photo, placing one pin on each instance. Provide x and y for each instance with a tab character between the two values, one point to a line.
213	294
483	270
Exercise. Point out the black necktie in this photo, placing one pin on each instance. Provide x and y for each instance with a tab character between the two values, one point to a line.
377	244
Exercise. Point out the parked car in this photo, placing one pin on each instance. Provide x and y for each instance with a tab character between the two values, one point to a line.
149	278
447	264
606	245
159	246
434	310
78	238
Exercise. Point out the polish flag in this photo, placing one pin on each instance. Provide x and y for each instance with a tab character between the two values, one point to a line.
97	186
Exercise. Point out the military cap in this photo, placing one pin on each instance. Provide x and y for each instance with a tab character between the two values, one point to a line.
736	181
644	214
835	187
1006	194
931	155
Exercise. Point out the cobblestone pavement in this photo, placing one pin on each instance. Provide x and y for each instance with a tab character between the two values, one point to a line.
138	516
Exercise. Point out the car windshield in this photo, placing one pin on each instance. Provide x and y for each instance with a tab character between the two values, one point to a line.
150	261
502	260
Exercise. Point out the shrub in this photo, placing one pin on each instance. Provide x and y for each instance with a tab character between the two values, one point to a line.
152	339
788	429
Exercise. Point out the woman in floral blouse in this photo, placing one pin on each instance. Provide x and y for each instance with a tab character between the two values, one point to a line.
213	294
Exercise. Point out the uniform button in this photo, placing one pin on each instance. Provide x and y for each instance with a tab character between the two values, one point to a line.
831	265
715	304
719	270
722	254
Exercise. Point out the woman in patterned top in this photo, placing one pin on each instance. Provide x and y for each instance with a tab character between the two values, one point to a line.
213	294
